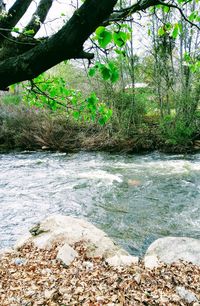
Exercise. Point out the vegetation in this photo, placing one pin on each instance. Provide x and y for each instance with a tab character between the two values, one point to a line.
126	100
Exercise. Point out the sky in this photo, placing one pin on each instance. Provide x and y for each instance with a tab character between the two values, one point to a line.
55	21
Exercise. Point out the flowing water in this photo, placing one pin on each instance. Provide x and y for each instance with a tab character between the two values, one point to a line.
133	198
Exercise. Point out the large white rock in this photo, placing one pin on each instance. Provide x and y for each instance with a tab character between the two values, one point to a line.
151	261
66	229
173	249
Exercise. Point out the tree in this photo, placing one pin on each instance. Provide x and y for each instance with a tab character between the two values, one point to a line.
24	57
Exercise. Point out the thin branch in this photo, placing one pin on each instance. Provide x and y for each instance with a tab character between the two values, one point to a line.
14	14
181	12
38	91
141	5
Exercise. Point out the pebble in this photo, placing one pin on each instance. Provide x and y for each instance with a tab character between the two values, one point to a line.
19	261
186	295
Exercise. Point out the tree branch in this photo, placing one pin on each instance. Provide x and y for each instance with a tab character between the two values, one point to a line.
181	12
128	11
14	14
66	44
39	16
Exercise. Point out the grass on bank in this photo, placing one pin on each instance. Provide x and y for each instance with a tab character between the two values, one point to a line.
29	127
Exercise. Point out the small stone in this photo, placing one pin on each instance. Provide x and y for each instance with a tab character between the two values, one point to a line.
186	295
19	261
122	260
88	265
66	254
137	278
48	294
100	299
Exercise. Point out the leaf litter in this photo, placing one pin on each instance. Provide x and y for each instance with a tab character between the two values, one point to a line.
33	277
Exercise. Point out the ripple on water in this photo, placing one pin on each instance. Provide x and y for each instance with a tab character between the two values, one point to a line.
165	201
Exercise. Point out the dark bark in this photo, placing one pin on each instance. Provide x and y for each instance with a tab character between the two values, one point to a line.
15	13
41	13
65	44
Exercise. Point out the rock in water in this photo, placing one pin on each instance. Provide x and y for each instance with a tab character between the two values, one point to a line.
134	183
69	230
173	249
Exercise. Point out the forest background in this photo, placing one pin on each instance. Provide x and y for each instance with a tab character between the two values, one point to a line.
140	92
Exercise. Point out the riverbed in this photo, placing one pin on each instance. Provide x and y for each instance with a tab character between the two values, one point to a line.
133	198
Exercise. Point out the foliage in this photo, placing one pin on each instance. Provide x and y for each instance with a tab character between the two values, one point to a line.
51	92
176	131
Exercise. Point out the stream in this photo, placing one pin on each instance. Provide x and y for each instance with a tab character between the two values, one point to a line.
135	199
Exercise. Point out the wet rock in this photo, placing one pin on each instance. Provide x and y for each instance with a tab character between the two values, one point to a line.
134	183
66	229
186	295
66	254
173	249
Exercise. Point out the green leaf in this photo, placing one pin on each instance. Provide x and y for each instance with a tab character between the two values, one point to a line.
76	115
105	71
175	31
166	9
104	37
161	31
29	32
120	38
92	71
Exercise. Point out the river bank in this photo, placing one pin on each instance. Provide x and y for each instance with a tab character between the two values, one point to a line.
30	128
68	261
71	138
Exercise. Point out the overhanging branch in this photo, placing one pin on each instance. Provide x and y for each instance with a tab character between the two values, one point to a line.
65	44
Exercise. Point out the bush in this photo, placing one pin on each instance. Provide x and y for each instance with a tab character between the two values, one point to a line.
177	131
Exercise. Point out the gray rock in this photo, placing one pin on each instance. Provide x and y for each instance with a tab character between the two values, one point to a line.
66	229
66	254
173	249
186	295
